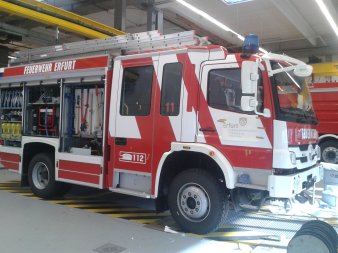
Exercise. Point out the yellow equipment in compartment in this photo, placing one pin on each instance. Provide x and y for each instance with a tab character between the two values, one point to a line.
11	131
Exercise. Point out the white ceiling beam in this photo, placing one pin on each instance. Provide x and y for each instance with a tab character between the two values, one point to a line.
164	5
289	10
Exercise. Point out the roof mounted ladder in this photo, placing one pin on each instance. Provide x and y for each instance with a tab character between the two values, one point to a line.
124	44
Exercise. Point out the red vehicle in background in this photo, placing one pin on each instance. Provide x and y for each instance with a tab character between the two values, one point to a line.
324	93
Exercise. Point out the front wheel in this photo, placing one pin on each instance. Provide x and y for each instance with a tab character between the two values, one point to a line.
41	177
198	201
329	151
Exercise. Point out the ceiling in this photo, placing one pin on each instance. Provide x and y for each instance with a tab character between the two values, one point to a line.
294	27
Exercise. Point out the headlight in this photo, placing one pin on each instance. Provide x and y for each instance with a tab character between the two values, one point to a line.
293	157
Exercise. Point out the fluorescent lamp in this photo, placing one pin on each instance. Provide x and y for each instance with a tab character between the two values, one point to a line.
204	15
11	57
231	2
240	37
213	20
327	15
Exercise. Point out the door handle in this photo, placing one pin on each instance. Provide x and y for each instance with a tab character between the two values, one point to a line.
120	141
207	129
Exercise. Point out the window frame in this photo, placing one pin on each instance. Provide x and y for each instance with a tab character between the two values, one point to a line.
123	93
164	86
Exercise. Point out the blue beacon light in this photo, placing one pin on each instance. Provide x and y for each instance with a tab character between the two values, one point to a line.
251	44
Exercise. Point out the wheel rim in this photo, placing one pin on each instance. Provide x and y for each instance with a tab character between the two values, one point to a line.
330	155
40	175
193	202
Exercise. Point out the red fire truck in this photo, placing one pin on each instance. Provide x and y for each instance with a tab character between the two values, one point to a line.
324	92
161	117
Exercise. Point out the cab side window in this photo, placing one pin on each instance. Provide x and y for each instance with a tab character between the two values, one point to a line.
171	89
224	89
136	91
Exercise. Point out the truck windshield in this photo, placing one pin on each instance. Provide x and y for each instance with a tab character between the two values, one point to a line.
292	96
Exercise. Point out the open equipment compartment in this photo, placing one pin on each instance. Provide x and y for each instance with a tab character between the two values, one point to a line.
82	116
42	109
11	100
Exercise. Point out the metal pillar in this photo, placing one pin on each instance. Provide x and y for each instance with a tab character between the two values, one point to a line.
120	15
4	52
154	17
159	21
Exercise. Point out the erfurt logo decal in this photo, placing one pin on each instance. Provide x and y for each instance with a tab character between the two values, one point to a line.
230	125
243	121
131	157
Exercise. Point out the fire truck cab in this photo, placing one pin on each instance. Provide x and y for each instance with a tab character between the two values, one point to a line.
188	125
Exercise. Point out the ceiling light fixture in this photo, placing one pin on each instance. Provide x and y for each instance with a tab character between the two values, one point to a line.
231	2
327	15
204	15
214	21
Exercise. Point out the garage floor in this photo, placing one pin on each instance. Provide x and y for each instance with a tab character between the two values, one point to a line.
88	220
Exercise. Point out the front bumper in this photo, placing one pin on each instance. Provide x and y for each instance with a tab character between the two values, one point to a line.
287	186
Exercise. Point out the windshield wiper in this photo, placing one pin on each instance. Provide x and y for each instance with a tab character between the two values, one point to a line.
310	115
301	116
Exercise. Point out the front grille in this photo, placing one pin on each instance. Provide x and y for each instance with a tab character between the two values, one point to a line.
302	159
305	147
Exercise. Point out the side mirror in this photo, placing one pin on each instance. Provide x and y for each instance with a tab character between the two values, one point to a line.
266	113
249	78
303	70
248	103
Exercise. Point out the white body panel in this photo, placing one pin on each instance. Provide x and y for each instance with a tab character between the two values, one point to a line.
287	186
281	155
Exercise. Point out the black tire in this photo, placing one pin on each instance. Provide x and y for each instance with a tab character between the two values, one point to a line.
329	151
41	177
325	228
206	206
319	234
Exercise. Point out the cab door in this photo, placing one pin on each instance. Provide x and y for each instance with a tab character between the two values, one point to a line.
241	136
133	131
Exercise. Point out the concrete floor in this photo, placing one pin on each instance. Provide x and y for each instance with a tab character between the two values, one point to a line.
29	224
34	226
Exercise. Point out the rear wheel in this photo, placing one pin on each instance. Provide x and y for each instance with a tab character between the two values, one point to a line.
329	151
41	177
198	201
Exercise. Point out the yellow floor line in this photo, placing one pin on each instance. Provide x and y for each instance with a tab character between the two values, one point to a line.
19	191
8	188
10	182
145	221
126	215
26	194
113	210
11	186
65	201
332	222
35	197
92	205
236	233
94	195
